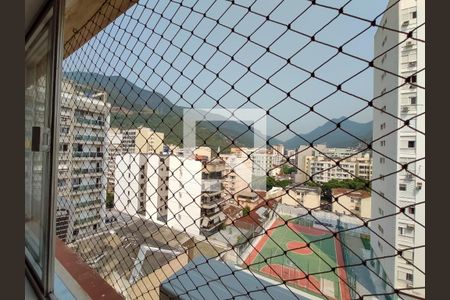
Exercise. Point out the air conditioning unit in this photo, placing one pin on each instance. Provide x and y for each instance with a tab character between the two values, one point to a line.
419	185
409	43
409	176
405	23
405	109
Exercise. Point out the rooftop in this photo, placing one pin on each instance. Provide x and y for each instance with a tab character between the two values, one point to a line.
212	279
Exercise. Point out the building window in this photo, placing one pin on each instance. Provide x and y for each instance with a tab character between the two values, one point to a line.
411	210
413	100
380	246
382	160
409	277
382	143
402	187
380	228
414	14
411	144
414	78
381	212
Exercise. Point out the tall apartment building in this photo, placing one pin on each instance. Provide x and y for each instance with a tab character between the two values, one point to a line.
237	175
114	148
397	54
182	193
323	169
304	151
142	140
139	140
81	179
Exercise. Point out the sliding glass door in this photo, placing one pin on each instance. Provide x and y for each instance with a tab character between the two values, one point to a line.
42	65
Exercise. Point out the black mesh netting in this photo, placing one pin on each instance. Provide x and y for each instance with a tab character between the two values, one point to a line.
330	207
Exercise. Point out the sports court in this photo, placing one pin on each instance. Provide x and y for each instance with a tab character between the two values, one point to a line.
289	258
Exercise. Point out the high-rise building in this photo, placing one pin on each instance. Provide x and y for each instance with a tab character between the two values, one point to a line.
114	148
398	203
139	140
81	179
142	140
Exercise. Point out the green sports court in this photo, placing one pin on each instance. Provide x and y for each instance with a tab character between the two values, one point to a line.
283	254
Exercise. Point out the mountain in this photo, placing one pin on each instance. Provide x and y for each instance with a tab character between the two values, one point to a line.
132	106
332	136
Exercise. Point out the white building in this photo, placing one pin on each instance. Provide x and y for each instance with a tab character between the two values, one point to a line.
81	177
323	169
138	140
401	230
113	148
182	193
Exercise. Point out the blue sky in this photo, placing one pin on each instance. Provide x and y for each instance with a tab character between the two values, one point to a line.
144	47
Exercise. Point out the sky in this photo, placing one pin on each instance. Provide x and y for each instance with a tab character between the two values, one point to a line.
151	44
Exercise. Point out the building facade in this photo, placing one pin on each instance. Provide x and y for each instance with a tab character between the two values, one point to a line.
237	175
182	193
303	196
351	202
398	99
323	169
81	178
142	140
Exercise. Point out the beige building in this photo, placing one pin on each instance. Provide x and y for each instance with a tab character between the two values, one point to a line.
142	140
248	199
350	202
302	195
323	169
237	175
113	148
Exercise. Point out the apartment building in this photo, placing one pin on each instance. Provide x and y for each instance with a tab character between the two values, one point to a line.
304	151
182	193
139	140
402	189
81	179
142	140
303	196
351	202
237	175
323	169
113	148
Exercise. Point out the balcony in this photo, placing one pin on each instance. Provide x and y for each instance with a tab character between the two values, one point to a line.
81	154
80	188
88	204
89	138
211	185
87	171
92	122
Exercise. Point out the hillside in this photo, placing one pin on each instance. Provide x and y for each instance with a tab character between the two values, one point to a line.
132	106
332	136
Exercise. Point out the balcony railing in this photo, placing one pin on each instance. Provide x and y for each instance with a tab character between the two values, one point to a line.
92	138
88	203
87	154
76	188
87	171
86	121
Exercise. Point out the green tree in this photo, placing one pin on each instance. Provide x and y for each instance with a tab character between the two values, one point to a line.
246	210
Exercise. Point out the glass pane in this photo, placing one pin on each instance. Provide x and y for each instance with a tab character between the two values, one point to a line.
37	76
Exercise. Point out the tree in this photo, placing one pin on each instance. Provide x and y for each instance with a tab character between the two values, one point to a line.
271	182
109	200
246	210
